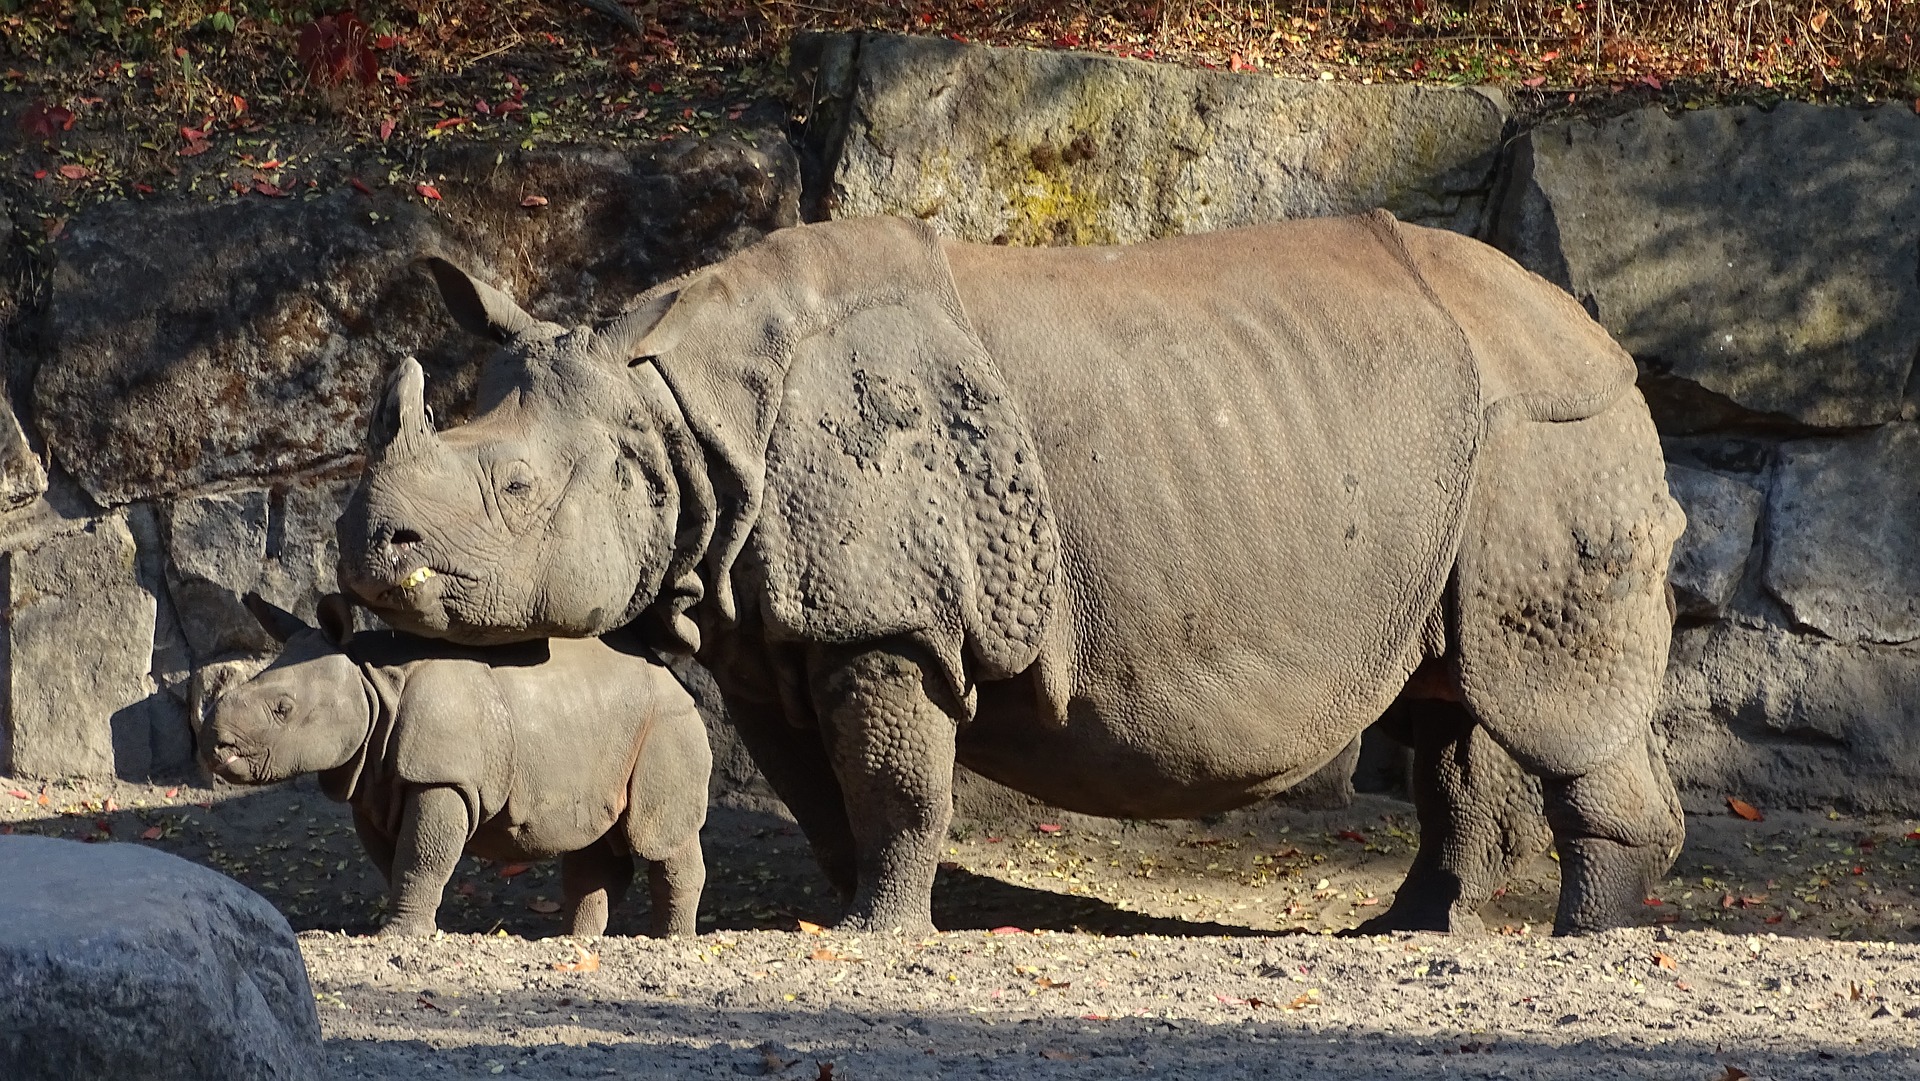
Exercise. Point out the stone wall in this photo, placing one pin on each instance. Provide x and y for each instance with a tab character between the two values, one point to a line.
190	395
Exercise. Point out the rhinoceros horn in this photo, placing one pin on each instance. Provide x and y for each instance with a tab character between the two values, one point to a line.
479	308
401	427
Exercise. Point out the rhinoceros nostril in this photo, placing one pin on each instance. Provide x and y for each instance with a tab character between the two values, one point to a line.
403	537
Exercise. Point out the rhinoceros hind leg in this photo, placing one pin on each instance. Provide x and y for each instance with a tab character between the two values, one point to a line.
675	884
1479	819
1618	828
593	882
890	724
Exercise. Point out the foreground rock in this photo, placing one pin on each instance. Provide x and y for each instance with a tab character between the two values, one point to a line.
1030	147
117	961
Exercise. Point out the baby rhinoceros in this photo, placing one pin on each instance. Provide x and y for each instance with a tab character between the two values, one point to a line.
568	748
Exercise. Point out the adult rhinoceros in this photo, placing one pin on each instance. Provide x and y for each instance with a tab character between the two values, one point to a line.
1146	531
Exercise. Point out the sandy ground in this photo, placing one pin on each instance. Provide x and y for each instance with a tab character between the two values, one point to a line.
1083	948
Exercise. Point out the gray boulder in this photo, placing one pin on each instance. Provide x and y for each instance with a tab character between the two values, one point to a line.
1791	719
1029	147
1760	265
118	961
79	649
1841	551
1711	556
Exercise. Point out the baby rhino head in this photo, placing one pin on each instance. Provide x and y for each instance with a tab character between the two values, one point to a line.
306	712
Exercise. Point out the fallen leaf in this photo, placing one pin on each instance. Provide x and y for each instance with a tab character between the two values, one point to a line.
142	188
588	962
172	792
45	120
543	906
1745	810
1535	82
151	833
1302	1001
1007	931
1855	992
386	128
824	954
1353	835
512	869
534	200
427	191
1047	827
1818	20
1732	1073
43	800
826	1072
18	794
1366	902
268	188
467	889
811	928
357	185
1050	984
1682	985
452	122
771	1061
1665	962
75	172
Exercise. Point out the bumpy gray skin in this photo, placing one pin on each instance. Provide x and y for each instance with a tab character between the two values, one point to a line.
1144	531
569	748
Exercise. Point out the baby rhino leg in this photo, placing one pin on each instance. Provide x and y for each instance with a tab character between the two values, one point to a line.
593	881
675	884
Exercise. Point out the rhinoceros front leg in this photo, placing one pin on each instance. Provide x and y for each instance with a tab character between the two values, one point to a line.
1480	818
796	765
889	725
433	830
675	884
1617	828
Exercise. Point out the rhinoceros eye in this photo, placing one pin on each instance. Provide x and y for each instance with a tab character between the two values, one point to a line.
283	709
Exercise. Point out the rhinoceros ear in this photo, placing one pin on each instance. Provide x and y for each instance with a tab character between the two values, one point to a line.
336	619
278	622
656	324
479	308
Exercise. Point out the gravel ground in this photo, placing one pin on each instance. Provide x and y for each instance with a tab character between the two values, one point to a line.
1086	948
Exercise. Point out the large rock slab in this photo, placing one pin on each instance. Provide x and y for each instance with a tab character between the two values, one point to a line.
1029	147
118	961
197	344
1792	719
1711	556
1843	535
277	542
1760	265
79	649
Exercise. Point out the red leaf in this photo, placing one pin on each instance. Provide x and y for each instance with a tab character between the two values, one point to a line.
512	869
401	82
43	121
357	185
1068	40
172	792
1536	81
451	122
1650	81
1551	54
427	191
1235	63
142	189
1653	902
480	106
1353	835
71	171
543	906
151	833
655	87
386	128
18	794
1047	827
39	174
1007	931
335	49
268	189
239	104
1745	810
534	200
385	41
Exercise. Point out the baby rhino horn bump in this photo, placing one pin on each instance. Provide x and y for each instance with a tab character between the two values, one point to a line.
277	622
479	308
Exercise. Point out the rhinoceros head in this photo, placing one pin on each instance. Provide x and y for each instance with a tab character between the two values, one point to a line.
553	513
305	713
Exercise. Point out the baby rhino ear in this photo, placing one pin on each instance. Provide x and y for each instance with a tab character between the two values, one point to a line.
336	618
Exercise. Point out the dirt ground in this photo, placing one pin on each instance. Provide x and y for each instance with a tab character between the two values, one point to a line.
1087	948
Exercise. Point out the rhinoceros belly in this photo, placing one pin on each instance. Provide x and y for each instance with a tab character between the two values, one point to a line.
1257	446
